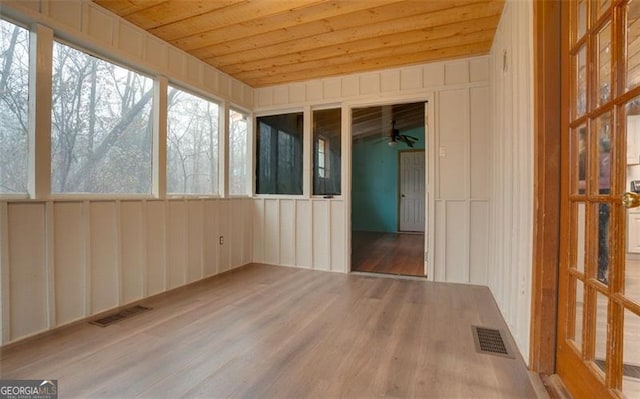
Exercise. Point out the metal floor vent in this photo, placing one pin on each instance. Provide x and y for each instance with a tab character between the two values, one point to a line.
628	370
123	314
489	340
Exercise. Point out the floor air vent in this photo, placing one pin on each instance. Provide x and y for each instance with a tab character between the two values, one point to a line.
628	370
489	340
123	314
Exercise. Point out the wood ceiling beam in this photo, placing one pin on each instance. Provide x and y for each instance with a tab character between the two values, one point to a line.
242	62
469	50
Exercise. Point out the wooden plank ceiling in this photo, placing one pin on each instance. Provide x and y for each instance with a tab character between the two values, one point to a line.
267	42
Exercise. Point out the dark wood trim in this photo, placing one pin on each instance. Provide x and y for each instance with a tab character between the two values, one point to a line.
546	237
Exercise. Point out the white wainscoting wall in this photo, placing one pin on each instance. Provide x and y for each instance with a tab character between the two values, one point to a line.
306	233
63	261
458	150
511	215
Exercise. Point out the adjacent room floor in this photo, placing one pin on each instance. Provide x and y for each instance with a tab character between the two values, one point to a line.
274	332
393	253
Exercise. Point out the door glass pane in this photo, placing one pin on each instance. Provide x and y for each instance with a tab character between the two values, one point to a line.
582	18
604	64
633	44
577	334
604	212
603	124
579	159
580	239
581	82
632	264
603	5
631	356
601	332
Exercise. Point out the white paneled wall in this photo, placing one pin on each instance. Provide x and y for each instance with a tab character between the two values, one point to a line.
511	214
87	24
407	83
67	260
462	180
458	148
306	233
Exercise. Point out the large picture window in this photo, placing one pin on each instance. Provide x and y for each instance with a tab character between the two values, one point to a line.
279	154
326	151
101	125
238	153
192	144
14	105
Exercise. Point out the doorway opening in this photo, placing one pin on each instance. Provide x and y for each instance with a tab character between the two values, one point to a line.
388	198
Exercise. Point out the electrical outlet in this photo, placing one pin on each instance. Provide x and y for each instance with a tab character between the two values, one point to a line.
221	240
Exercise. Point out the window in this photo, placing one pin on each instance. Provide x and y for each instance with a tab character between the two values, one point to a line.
101	126
326	151
321	157
192	144
238	157
14	104
279	154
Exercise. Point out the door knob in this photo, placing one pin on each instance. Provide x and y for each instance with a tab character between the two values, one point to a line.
631	200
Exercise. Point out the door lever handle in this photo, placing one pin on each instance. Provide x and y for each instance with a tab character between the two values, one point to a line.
631	200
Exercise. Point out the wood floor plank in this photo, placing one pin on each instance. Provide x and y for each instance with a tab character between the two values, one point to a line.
273	332
393	253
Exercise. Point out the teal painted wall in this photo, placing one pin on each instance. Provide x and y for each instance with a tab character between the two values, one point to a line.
374	192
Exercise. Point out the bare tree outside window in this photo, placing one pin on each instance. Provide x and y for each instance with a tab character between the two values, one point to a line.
14	105
101	126
238	153
192	144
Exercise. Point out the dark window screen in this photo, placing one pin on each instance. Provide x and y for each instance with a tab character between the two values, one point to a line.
326	152
279	154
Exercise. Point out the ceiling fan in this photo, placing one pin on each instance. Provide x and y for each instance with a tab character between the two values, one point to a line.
395	137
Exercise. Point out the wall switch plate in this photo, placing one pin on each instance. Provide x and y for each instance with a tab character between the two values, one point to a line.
221	240
442	151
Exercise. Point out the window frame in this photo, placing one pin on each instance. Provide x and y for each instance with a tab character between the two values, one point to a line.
30	141
70	196
171	83
305	155
312	167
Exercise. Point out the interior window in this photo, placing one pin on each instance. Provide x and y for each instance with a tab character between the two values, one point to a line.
326	151
279	154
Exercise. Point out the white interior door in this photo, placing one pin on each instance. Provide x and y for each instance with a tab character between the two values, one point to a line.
412	193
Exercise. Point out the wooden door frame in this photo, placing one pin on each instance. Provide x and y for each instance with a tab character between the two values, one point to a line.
548	110
423	182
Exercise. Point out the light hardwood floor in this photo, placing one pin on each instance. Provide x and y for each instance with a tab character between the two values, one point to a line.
392	253
274	332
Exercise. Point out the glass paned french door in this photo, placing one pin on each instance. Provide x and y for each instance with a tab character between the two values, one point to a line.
598	351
